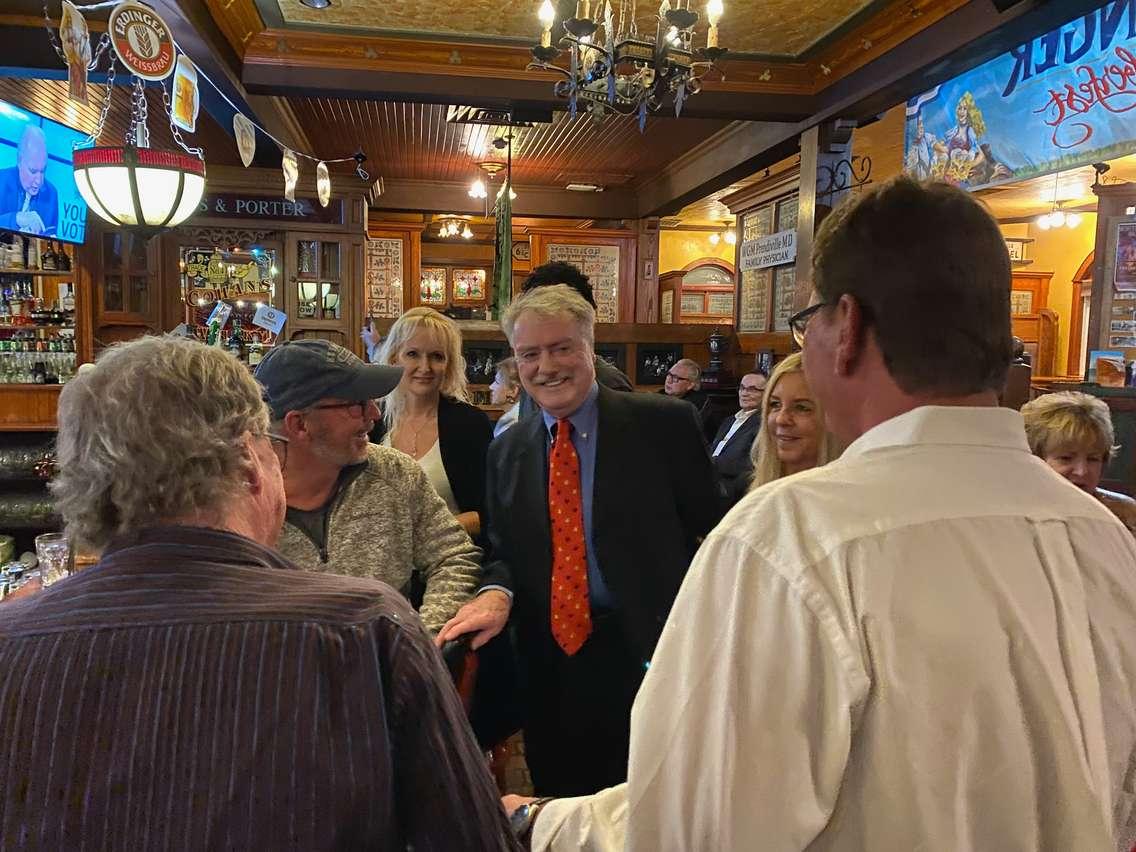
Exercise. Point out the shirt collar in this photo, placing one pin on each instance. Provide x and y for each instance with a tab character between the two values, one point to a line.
742	415
944	424
584	419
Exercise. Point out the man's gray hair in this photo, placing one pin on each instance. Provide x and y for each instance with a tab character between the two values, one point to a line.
693	368
151	434
32	139
553	301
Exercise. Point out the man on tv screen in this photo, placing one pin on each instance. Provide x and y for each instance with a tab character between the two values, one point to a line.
28	201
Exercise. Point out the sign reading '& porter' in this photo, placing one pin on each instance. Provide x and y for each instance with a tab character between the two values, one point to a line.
772	250
232	206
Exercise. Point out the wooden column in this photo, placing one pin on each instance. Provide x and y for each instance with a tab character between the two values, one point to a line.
647	279
822	148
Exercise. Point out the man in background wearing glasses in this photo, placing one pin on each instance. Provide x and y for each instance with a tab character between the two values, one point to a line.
730	448
354	507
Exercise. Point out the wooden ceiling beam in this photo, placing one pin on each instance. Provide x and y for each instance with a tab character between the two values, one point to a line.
740	150
453	197
300	62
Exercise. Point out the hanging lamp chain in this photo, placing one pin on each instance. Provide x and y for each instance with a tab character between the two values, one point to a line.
105	110
139	134
174	130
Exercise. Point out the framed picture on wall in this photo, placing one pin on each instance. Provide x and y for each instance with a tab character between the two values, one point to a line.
481	357
654	360
614	353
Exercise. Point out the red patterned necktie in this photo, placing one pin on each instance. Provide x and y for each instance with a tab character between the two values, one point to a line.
571	611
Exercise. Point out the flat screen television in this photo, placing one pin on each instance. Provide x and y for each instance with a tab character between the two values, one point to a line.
38	196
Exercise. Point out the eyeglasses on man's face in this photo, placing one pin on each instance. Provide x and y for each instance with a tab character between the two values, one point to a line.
678	377
354	409
799	322
744	388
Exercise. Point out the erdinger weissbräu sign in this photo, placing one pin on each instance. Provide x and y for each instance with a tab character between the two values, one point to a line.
1064	99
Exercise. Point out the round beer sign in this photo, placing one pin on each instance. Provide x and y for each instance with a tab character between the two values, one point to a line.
142	41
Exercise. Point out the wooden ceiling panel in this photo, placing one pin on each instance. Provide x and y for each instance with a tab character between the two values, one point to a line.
49	98
415	142
766	27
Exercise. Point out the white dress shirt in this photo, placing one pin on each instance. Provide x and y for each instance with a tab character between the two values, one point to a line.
741	417
927	644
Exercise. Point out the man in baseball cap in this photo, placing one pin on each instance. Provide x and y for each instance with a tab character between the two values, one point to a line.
353	507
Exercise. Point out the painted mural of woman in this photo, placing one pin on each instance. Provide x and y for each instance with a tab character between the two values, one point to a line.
965	161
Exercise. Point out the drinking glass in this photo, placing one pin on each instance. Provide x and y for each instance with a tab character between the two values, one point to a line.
54	552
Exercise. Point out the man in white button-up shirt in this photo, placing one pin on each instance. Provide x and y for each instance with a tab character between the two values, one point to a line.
928	644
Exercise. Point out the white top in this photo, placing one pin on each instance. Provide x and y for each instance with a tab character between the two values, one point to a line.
508	419
431	464
928	644
739	419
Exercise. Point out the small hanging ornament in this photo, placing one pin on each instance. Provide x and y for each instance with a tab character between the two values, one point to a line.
76	41
187	100
323	184
244	131
291	174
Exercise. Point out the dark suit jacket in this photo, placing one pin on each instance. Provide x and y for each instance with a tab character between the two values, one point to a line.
45	202
733	464
655	497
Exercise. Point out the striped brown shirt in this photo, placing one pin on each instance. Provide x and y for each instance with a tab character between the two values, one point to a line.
194	691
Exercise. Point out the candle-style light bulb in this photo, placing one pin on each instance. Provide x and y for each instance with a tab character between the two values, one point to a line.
547	15
714	11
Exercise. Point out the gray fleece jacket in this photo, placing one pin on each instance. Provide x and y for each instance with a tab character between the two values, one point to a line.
386	523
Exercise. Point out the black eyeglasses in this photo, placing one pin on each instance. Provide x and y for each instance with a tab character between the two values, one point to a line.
353	409
799	322
679	378
279	446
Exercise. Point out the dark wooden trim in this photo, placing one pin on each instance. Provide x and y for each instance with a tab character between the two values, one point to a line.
710	260
1083	276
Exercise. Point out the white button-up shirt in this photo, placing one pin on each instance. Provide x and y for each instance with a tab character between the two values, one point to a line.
929	644
741	417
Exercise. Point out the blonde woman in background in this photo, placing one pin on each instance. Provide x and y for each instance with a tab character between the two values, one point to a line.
793	436
428	416
1072	433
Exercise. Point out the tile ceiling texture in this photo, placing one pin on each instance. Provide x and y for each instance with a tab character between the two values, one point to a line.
766	27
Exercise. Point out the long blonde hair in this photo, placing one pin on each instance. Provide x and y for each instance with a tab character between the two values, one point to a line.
763	454
454	382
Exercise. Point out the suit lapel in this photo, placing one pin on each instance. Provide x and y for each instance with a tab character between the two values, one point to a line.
615	450
532	489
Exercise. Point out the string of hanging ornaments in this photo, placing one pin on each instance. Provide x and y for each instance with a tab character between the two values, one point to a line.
134	186
614	69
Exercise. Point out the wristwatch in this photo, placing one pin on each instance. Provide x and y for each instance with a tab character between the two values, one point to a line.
523	818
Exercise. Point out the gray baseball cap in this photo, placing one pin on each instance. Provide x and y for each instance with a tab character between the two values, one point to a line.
300	372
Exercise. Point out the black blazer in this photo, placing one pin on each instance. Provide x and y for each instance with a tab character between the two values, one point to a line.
733	463
655	497
464	433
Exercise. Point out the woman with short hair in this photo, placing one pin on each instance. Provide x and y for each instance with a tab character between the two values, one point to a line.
793	436
1072	433
506	390
429	417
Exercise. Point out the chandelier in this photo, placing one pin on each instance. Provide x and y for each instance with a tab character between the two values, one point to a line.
134	186
454	227
1056	217
614	69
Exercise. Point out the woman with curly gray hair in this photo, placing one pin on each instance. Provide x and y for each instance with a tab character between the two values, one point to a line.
166	431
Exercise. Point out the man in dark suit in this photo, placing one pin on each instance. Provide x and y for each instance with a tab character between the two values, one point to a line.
595	506
730	447
28	201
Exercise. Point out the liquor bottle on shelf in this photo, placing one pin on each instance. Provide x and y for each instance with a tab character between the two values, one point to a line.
236	343
255	353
